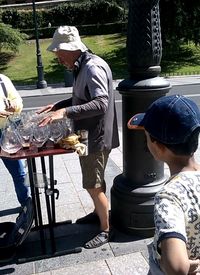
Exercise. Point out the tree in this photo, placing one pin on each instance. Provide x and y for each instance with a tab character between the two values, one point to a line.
180	20
10	38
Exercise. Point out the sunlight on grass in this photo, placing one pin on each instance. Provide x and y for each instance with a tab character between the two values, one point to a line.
21	68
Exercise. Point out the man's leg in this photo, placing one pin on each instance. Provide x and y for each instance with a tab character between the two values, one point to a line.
93	168
101	206
17	171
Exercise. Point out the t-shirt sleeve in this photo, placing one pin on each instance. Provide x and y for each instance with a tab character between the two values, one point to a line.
169	218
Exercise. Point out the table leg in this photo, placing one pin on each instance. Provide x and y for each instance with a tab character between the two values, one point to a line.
49	210
32	186
36	201
51	175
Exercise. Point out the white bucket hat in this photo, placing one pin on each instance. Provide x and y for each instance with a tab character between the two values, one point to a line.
67	38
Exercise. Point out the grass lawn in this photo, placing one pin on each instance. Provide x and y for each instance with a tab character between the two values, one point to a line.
21	67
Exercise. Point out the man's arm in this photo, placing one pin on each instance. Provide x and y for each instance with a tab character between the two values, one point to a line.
95	107
63	104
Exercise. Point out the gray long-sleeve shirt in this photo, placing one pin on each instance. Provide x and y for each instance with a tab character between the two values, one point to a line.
92	106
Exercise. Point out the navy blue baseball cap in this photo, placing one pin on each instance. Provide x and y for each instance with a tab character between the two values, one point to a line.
169	119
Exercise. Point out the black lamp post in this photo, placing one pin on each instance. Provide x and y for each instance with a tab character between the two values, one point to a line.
41	83
132	193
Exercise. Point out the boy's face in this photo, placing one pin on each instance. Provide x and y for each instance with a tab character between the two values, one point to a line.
153	147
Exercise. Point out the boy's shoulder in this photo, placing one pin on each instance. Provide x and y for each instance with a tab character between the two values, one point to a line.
181	185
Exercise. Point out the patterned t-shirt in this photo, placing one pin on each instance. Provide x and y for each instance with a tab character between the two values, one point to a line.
177	213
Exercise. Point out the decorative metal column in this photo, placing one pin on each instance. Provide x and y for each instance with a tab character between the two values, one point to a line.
132	193
41	83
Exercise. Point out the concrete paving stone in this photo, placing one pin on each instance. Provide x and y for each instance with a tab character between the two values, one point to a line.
22	269
73	166
109	183
87	210
67	212
77	181
85	199
9	200
145	254
92	268
58	161
112	168
61	175
116	151
67	194
63	211
123	243
9	218
128	264
6	185
87	255
117	160
70	156
3	168
6	180
3	187
43	273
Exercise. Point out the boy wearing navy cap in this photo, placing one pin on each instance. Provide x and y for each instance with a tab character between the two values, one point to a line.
172	126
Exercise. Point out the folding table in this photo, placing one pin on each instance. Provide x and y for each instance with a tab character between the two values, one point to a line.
50	192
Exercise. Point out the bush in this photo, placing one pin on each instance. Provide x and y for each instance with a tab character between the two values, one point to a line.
82	13
10	38
97	29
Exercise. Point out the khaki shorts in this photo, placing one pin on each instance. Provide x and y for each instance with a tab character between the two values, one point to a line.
93	168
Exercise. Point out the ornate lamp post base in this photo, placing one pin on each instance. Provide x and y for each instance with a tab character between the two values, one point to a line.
132	209
132	193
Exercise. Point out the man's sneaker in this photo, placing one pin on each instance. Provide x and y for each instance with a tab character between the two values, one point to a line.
90	218
100	239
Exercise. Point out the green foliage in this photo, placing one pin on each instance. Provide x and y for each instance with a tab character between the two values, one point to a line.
80	13
10	38
180	20
180	59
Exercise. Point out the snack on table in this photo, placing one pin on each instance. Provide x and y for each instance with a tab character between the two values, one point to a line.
69	141
72	141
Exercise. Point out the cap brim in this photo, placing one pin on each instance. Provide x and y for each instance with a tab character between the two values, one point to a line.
136	122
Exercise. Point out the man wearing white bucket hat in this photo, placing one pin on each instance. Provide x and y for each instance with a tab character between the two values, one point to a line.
92	107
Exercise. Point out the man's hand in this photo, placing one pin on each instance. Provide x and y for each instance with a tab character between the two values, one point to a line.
46	109
11	105
56	115
5	114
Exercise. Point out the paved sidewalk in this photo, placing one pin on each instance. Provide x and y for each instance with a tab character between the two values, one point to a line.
26	91
125	255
